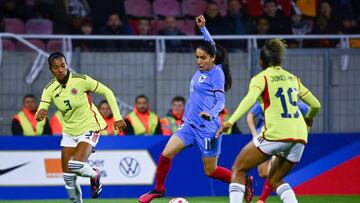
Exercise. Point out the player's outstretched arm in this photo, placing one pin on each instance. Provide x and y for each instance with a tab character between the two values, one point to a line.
44	105
99	88
200	22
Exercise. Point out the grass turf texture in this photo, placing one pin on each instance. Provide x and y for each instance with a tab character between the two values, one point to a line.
273	199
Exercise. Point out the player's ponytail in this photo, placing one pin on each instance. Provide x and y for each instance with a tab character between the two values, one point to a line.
273	53
222	57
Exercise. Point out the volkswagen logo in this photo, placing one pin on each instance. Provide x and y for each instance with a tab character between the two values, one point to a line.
129	167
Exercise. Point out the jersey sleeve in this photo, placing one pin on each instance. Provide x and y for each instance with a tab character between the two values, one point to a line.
206	35
258	82
310	100
97	87
45	100
218	80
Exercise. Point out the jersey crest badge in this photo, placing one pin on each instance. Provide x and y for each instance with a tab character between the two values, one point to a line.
74	91
202	78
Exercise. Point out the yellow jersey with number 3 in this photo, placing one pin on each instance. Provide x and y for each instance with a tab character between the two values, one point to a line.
74	102
279	100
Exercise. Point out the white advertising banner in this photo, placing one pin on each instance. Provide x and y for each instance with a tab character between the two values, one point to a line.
36	168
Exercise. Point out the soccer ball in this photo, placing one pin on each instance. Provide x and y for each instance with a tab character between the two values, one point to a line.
178	200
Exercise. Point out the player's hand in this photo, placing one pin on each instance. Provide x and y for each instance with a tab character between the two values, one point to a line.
200	21
224	128
119	125
41	114
205	115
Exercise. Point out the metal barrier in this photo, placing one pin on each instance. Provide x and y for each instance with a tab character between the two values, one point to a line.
162	73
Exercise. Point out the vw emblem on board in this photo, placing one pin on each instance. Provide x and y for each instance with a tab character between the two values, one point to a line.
129	167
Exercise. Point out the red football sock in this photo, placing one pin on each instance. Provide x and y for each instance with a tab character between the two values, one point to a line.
222	174
267	189
161	172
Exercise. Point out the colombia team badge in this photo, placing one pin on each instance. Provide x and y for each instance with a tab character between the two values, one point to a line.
74	91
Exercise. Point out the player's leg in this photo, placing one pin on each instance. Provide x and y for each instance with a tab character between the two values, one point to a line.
263	170
211	149
279	169
72	186
249	157
182	138
78	161
290	154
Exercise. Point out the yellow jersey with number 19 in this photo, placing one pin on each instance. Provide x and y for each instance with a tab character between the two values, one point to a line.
279	100
74	102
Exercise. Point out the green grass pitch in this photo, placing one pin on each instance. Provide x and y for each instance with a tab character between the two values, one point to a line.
273	199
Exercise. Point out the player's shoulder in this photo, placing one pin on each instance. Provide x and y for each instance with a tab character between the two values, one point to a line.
50	84
78	76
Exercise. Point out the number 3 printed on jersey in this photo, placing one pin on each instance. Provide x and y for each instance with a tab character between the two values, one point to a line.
280	95
67	103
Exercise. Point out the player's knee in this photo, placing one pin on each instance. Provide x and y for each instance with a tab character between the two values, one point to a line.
262	173
167	154
209	171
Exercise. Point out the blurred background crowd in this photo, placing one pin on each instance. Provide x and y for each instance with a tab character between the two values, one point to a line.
176	17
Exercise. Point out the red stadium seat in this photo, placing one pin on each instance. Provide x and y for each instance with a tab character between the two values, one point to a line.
156	26
166	8
39	26
193	7
186	26
138	8
22	47
8	45
14	25
54	45
222	6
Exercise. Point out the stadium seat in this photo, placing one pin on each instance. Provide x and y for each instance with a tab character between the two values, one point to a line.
166	8
138	8
156	26
39	26
193	7
222	6
22	47
186	26
14	25
8	45
54	45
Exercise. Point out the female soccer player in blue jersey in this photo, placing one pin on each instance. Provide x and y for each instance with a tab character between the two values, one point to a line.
201	117
81	125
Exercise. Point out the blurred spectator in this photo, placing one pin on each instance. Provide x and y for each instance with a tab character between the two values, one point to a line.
349	25
42	9
142	121
143	28
214	22
239	22
56	123
114	26
262	28
68	15
298	27
173	119
278	22
100	11
13	9
86	28
171	29
253	7
224	116
25	123
107	115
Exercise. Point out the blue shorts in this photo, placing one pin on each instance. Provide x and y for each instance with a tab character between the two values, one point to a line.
206	141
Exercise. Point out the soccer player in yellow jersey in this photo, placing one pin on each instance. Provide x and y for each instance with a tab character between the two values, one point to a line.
285	130
81	125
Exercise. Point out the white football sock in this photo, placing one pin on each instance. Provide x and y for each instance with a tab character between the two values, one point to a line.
286	193
71	186
236	192
81	169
